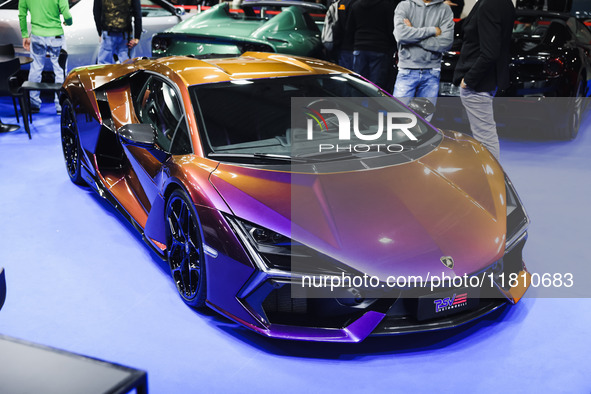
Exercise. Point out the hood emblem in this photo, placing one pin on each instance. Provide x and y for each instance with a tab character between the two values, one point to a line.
448	261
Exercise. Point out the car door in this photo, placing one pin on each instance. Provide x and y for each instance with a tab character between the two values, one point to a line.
158	104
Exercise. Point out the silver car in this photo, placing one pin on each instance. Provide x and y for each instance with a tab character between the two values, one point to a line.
82	40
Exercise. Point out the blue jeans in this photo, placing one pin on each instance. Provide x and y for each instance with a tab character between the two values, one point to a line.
417	83
41	47
373	66
346	59
113	44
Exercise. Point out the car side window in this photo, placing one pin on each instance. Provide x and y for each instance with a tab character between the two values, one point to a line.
151	9
160	106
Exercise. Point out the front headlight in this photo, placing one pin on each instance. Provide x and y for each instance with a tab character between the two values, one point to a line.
273	251
517	219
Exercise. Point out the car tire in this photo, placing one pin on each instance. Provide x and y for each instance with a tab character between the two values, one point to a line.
185	249
71	142
574	113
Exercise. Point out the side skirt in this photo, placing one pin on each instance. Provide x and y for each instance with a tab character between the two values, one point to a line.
104	193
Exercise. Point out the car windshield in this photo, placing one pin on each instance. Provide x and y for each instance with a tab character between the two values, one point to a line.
153	9
256	117
529	31
255	11
534	25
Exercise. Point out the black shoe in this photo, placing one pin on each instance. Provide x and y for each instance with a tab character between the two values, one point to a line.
35	110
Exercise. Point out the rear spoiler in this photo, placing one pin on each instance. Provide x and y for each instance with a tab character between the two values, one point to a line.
243	44
287	3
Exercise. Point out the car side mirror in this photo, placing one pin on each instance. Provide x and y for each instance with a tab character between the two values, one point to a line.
422	106
139	134
2	287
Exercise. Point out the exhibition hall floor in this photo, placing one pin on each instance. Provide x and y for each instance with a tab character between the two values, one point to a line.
81	279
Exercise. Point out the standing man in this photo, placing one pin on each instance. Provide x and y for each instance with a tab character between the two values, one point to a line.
113	23
372	22
46	39
424	29
483	66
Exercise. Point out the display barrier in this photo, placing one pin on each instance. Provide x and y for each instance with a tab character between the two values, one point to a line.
32	368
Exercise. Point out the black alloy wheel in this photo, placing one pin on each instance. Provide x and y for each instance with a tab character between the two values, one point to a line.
71	142
185	249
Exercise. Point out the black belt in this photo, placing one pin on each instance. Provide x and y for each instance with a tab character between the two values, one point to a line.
115	33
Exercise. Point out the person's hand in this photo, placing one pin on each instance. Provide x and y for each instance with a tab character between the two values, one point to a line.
407	22
437	31
27	44
449	3
463	84
133	42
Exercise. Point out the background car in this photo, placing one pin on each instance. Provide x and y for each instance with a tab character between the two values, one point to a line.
201	157
82	40
551	61
266	26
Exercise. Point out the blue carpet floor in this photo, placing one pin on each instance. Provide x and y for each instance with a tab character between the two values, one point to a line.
81	279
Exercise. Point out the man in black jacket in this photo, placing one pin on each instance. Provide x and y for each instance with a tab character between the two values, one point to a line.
483	66
372	23
113	24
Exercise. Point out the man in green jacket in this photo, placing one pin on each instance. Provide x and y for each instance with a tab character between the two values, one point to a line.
46	39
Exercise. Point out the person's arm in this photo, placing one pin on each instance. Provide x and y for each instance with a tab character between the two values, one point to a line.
339	33
350	25
442	42
137	19
405	34
489	39
65	11
23	9
97	11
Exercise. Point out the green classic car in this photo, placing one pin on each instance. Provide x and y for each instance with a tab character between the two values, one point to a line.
264	26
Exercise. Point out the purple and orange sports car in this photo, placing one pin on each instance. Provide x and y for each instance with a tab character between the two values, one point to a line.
242	174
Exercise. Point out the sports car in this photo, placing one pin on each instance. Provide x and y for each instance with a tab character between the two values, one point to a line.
259	205
550	70
265	26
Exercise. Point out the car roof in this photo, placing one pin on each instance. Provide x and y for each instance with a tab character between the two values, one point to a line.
250	65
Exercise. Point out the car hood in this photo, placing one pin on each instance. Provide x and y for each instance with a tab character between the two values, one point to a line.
395	220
